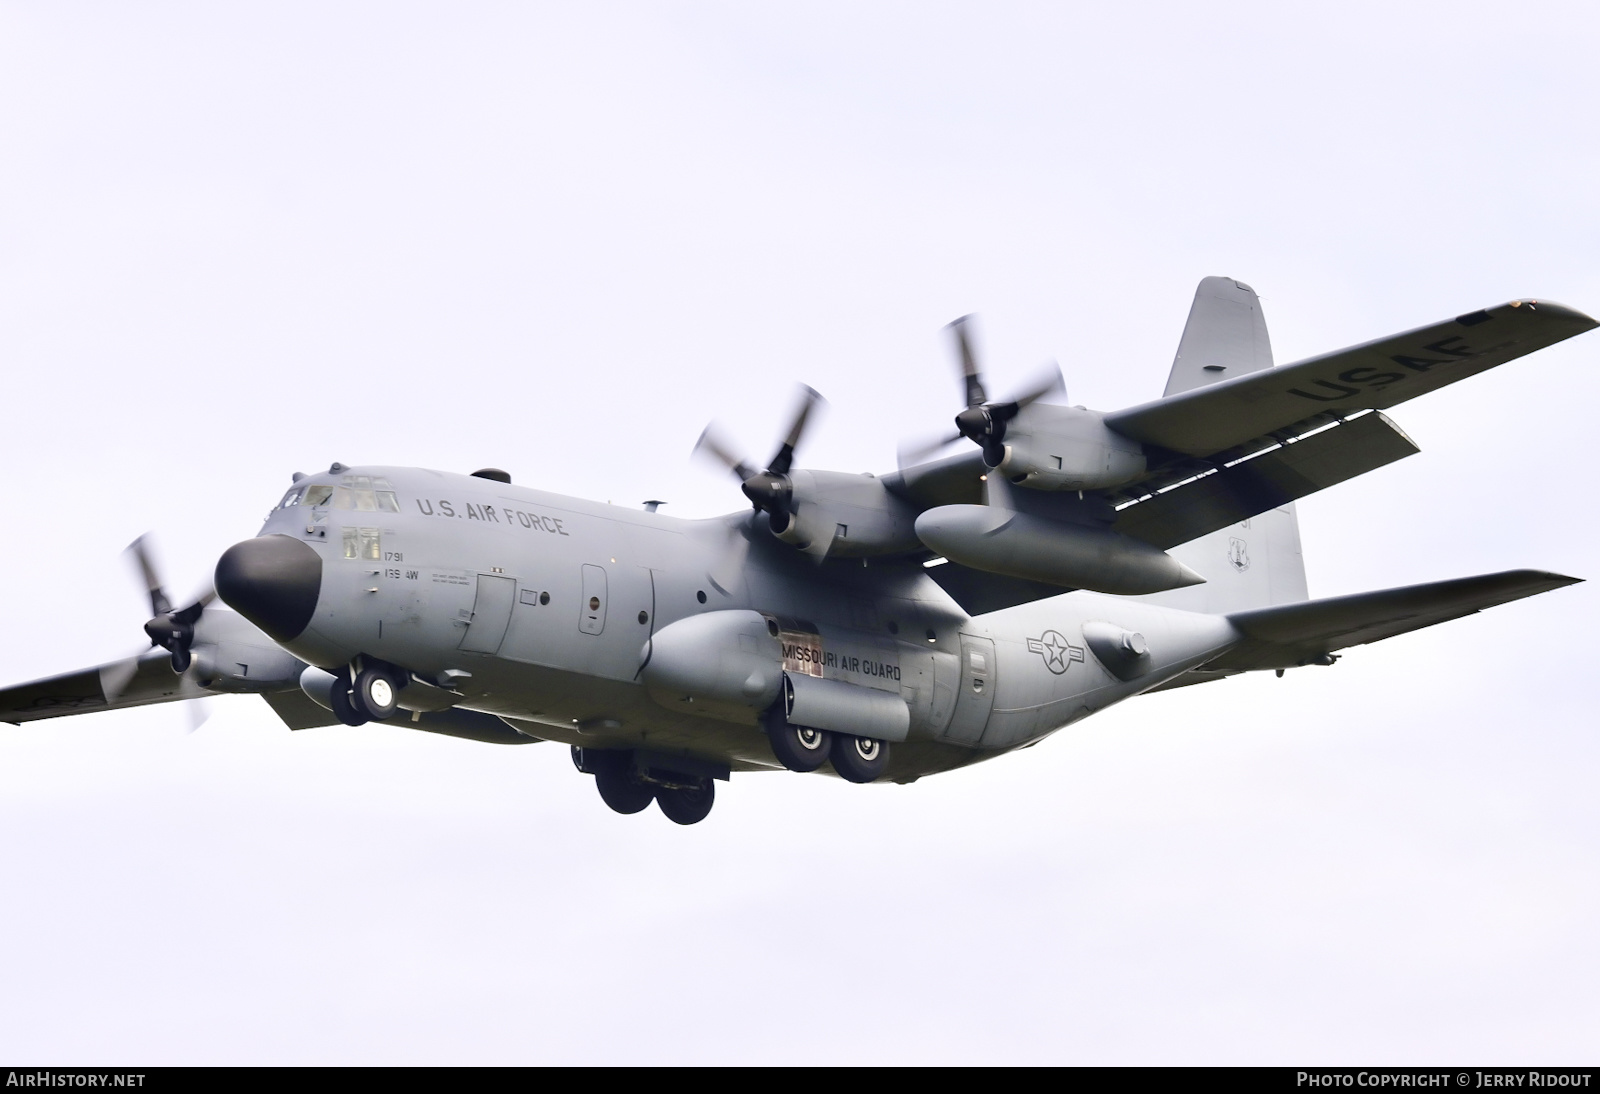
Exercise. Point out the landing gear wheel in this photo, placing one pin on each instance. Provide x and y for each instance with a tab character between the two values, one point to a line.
859	759
799	748
376	694
621	791
343	708
687	806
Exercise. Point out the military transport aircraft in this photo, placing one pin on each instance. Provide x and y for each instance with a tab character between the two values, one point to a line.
878	627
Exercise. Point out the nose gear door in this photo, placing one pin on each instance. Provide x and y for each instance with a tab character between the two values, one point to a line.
491	613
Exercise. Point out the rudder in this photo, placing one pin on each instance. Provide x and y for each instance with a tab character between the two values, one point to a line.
1257	562
1226	336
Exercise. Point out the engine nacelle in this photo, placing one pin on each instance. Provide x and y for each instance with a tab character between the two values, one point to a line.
1068	448
999	541
856	512
726	665
242	667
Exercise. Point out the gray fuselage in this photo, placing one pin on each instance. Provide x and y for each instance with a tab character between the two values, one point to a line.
552	603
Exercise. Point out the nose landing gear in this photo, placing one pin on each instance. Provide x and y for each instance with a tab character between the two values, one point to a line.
376	692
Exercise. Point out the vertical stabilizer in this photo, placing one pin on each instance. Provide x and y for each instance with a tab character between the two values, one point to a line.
1257	562
1226	336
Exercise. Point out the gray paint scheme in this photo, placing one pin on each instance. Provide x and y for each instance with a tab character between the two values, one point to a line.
518	614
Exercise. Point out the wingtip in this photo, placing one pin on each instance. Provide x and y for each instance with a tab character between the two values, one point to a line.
1551	309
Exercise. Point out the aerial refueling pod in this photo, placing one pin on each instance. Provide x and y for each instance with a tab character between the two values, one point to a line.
725	665
1001	541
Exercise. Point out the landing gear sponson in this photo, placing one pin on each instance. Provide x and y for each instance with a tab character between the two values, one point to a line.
803	748
630	779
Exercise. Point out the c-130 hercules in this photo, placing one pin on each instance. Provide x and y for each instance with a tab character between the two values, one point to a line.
881	627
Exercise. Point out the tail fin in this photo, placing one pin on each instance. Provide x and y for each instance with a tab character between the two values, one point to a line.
1226	336
1256	562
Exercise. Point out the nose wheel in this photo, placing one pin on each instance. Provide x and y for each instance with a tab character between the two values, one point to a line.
344	707
376	693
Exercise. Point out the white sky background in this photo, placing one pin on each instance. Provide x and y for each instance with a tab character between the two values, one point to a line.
236	242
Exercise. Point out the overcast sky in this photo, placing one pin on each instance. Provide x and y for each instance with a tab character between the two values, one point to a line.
238	241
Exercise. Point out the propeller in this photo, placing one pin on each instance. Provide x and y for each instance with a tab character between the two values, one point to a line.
770	491
171	630
982	422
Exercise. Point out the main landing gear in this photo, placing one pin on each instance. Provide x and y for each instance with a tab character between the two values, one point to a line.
629	787
802	748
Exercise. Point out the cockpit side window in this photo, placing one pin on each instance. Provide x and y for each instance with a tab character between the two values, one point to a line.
387	501
364	543
291	499
318	495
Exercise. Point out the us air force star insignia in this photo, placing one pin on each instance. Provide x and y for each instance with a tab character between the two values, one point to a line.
1057	652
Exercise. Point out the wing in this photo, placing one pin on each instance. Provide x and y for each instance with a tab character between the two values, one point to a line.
133	683
1229	419
1287	635
954	480
1283	473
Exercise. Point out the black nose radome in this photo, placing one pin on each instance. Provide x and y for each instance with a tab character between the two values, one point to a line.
273	581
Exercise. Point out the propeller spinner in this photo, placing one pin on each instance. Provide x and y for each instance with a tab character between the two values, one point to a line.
171	630
982	422
770	491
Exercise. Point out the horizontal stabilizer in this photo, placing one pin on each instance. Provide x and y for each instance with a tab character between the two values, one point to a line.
1236	414
1287	635
1268	481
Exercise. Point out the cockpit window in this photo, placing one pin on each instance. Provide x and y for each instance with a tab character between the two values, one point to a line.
387	501
364	543
363	493
291	499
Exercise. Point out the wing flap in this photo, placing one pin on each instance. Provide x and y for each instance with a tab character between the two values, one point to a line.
1287	635
1248	410
1266	481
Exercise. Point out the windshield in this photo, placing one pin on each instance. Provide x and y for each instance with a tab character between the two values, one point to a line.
362	493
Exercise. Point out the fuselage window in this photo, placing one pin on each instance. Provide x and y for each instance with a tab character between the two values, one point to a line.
365	543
